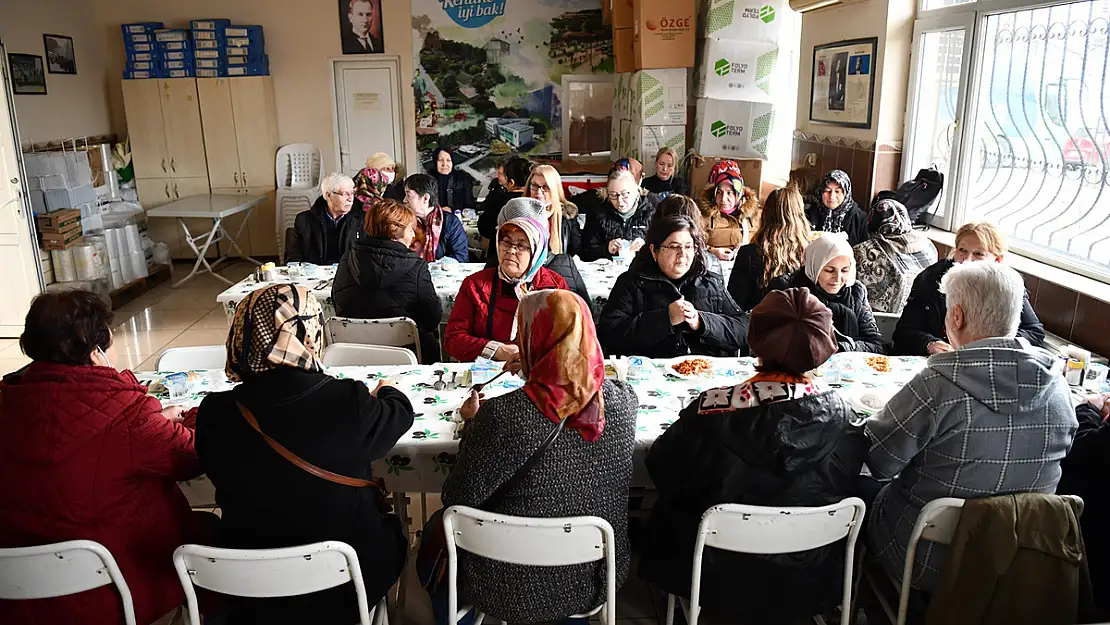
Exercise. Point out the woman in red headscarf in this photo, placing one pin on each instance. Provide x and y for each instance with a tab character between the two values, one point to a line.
729	210
585	471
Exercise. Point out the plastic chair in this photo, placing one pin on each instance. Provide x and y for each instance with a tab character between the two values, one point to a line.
60	569
887	322
192	358
557	541
297	168
350	355
392	332
763	530
262	573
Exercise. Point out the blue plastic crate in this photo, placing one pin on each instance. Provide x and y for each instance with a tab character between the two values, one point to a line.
134	38
251	52
140	47
245	60
140	28
142	66
140	74
171	34
209	44
171	46
253	69
210	63
179	73
178	64
210	54
207	35
143	57
253	32
210	24
180	55
212	73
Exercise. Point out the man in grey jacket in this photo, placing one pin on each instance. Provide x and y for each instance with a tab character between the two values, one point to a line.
992	417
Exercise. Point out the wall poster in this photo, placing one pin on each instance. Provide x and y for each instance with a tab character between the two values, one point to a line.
843	88
489	73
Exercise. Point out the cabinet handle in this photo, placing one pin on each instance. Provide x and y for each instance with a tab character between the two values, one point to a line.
175	193
173	166
167	190
244	179
236	178
163	164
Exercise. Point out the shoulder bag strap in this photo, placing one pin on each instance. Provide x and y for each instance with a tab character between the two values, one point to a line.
518	477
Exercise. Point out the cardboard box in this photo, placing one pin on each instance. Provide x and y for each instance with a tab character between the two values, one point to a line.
643	142
747	20
751	170
607	12
663	33
622	14
59	221
62	240
624	50
733	129
651	97
729	69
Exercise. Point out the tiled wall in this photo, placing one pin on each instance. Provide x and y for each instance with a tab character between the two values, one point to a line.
872	167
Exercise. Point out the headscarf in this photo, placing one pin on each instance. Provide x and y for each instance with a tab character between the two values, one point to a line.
621	163
536	231
442	180
370	185
727	171
564	368
429	231
822	250
834	217
888	219
522	207
791	331
380	160
281	325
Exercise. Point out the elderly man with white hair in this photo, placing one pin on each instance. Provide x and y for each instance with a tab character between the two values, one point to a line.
992	417
324	232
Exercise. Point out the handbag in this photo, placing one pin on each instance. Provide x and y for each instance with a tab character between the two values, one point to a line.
380	497
431	554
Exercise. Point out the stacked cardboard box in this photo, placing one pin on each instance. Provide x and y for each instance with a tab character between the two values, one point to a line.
649	112
653	34
60	229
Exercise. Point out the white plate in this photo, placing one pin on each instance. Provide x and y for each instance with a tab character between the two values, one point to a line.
869	400
669	368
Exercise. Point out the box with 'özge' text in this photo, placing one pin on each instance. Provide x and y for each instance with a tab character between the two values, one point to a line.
663	33
735	129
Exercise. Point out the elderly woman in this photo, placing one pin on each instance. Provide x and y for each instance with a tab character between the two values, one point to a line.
829	272
381	277
921	330
834	210
665	181
730	211
455	187
675	305
340	426
387	167
619	226
439	232
323	233
777	248
586	470
892	257
483	321
85	453
776	439
991	417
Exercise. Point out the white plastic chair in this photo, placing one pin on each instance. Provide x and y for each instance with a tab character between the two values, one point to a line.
391	332
263	573
60	569
348	355
192	358
297	168
763	530
557	541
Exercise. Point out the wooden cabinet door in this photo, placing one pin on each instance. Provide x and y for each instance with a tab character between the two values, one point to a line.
184	137
263	224
220	130
156	192
252	98
142	102
185	187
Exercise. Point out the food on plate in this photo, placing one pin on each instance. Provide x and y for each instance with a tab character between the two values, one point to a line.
872	401
692	366
879	363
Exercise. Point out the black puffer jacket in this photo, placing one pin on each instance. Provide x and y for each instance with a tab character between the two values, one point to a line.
310	234
674	185
852	318
379	278
922	320
605	225
800	452
636	322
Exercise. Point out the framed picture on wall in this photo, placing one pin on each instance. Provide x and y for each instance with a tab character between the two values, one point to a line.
60	58
360	26
842	91
28	75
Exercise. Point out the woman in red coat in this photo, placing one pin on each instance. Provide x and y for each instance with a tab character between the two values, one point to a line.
482	323
85	453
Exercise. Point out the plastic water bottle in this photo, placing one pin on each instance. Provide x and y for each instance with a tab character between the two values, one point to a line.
832	373
637	370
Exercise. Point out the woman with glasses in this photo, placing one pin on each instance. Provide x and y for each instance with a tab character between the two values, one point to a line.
323	233
730	211
618	227
483	321
546	187
675	305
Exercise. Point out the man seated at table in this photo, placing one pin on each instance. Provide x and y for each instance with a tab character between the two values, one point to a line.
323	233
992	417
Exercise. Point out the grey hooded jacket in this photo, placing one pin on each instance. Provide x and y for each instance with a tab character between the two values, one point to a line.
993	417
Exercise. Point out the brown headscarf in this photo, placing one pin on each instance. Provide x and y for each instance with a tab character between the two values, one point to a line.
791	331
281	325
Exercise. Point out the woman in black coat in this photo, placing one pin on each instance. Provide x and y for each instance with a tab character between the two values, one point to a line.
517	172
673	306
456	187
381	277
773	440
338	425
624	218
834	209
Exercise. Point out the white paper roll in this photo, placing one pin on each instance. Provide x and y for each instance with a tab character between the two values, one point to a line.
110	237
126	272
64	268
121	245
84	259
134	240
138	264
116	278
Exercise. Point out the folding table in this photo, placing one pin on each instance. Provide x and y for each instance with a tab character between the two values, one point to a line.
216	207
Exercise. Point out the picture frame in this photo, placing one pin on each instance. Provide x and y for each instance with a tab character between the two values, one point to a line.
59	54
842	86
360	27
28	74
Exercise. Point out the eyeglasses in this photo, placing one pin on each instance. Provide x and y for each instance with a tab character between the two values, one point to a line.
676	248
625	195
344	194
533	187
515	248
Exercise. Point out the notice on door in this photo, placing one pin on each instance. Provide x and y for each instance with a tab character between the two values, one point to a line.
367	101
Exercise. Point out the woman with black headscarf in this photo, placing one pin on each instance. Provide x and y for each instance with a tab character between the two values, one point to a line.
889	261
834	210
456	187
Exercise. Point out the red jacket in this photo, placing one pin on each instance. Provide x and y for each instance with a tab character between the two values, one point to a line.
86	454
465	336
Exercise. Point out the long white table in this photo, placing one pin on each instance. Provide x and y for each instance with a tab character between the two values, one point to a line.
216	207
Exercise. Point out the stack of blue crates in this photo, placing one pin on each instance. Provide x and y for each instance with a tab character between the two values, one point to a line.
143	56
176	51
210	47
246	51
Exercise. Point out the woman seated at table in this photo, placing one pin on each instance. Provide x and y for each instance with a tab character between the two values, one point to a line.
546	186
666	179
776	439
920	330
676	204
483	321
517	173
395	182
455	187
586	470
381	277
834	210
829	272
439	233
621	223
339	426
86	454
323	233
675	305
375	180
892	257
730	211
776	249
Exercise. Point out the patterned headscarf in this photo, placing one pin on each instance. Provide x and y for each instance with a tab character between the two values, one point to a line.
563	364
888	218
370	185
429	231
281	325
536	231
834	217
728	171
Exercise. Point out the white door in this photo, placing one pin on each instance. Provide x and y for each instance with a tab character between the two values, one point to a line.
367	111
18	254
